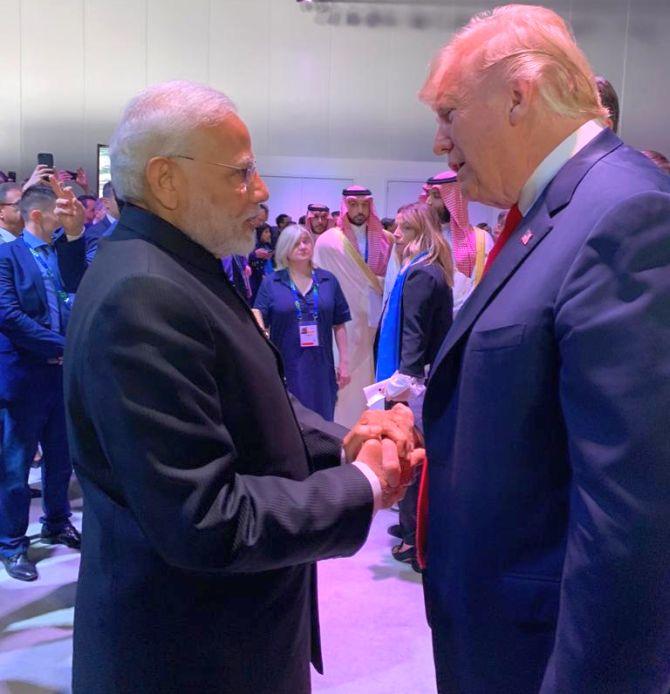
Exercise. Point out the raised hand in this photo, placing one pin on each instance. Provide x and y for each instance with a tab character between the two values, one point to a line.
39	175
69	210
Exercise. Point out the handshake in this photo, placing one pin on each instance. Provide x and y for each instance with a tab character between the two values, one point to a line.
387	442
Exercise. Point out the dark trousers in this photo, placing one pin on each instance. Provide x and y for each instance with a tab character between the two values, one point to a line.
37	415
407	508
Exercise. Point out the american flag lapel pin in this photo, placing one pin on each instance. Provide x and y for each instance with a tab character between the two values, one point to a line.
526	237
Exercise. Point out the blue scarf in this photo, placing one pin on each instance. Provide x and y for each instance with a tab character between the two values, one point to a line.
388	348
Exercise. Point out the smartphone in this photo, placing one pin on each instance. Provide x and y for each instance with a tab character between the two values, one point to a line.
11	175
46	158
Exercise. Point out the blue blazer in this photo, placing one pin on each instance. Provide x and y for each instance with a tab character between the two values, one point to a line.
546	423
26	338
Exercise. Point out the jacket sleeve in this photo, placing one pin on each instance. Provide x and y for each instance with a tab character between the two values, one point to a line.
323	439
24	332
149	370
417	314
613	328
72	261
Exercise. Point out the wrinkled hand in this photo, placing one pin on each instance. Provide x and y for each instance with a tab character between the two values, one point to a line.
39	175
342	375
393	472
396	424
69	210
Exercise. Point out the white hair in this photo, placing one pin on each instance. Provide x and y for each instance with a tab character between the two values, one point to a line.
287	241
159	122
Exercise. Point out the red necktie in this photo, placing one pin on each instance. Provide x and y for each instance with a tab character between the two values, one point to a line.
511	223
514	216
422	517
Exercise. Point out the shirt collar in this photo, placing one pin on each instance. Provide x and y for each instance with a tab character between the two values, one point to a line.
33	241
554	162
6	236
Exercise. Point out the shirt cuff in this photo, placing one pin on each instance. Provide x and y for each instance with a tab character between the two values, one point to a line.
375	484
74	238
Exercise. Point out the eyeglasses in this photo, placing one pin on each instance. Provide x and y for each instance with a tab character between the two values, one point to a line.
248	172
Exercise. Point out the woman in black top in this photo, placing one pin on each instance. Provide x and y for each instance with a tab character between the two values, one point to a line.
416	318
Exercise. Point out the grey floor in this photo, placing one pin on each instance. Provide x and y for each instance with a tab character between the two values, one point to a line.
374	632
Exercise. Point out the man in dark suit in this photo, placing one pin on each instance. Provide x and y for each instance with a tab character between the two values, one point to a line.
546	412
206	499
38	274
106	225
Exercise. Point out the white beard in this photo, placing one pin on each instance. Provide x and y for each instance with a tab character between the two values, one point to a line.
220	233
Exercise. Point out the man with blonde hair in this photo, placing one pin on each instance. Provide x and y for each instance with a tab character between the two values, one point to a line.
544	513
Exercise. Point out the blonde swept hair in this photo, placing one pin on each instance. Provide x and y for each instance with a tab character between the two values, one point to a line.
287	241
424	220
525	42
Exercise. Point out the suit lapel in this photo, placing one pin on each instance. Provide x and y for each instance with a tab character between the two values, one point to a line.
524	240
30	266
527	237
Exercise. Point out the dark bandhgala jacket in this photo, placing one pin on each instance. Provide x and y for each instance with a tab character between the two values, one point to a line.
546	421
204	510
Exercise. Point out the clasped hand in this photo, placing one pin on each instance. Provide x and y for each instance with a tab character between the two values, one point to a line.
386	441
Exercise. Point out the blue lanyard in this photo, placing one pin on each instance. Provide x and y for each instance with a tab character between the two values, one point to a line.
296	298
58	286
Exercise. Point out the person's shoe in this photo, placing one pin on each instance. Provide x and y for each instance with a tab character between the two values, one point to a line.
20	567
395	530
406	556
68	535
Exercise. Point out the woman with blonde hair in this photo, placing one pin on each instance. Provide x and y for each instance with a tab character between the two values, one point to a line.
416	318
303	308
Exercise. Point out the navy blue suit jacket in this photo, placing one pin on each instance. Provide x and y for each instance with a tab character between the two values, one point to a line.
26	338
94	234
547	436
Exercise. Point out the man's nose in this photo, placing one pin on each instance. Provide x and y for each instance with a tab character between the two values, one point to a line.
442	144
260	190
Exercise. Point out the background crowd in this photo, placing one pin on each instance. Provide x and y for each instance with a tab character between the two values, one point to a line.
357	306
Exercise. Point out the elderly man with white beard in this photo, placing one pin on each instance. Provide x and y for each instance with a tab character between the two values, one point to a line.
208	493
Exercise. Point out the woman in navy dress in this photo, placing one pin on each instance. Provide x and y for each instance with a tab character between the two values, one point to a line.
304	308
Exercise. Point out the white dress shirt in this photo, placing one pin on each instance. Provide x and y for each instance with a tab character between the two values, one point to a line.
555	161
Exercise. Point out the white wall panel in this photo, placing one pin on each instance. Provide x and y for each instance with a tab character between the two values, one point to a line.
52	81
240	60
646	97
106	58
292	194
358	99
329	92
178	40
299	121
10	93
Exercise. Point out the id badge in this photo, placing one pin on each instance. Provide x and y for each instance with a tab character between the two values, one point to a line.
309	334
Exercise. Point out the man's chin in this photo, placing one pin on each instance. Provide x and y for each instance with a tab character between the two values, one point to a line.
242	244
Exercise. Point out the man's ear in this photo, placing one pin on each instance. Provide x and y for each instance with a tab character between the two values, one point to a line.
160	175
521	95
35	216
